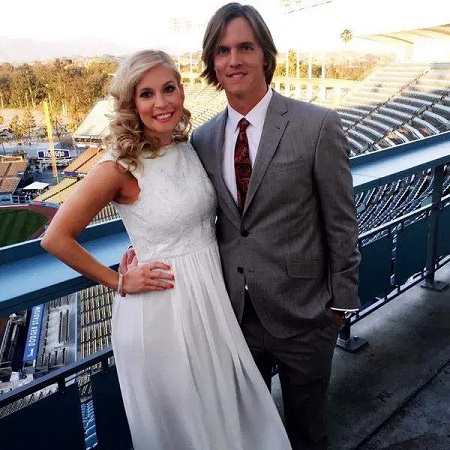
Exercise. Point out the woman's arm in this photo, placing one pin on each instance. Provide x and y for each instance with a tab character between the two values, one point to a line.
103	184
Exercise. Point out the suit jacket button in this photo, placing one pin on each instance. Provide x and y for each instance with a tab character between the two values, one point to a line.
240	269
244	233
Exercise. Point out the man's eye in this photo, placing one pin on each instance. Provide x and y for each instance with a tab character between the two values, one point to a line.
222	50
246	47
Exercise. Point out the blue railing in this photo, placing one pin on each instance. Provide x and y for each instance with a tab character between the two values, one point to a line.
395	256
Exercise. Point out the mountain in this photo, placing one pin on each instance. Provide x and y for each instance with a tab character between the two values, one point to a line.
27	50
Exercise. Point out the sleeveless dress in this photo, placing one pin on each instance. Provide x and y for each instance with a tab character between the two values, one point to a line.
187	377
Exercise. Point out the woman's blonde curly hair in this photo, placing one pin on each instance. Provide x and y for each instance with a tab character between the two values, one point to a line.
127	138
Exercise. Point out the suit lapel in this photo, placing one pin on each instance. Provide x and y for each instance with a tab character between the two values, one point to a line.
218	139
274	126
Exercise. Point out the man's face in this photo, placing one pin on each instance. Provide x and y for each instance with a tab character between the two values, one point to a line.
239	64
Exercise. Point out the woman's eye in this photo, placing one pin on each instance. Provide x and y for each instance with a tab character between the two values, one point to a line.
146	94
170	89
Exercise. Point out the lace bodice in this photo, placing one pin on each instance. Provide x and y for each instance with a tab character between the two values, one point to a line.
175	211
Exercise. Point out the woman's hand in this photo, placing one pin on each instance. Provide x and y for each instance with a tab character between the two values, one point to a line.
152	276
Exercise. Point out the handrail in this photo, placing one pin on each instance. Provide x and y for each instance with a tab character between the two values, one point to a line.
399	220
56	376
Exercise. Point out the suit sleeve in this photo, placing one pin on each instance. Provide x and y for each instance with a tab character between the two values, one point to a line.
334	183
191	139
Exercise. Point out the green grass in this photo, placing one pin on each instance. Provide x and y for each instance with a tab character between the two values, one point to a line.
17	225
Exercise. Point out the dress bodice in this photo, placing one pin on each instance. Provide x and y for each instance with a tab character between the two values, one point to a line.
174	214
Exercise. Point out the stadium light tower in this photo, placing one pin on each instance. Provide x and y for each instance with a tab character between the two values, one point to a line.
304	8
175	26
183	29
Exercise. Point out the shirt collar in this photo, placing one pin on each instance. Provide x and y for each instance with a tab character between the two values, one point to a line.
256	116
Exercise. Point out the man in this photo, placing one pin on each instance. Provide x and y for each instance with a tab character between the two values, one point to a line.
286	221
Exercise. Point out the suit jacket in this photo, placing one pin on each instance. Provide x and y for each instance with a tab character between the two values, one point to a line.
295	245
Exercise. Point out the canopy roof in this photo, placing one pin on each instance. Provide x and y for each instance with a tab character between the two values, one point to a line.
95	126
408	37
36	186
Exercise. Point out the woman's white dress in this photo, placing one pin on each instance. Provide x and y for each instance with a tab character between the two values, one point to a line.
187	377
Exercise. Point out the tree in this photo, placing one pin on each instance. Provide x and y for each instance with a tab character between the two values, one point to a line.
346	36
17	127
71	127
2	139
71	88
28	121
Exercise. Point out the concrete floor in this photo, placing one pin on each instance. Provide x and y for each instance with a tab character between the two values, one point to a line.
395	392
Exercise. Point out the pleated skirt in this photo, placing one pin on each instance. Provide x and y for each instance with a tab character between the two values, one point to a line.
187	377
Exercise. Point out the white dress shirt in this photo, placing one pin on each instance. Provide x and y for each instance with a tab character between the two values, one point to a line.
256	119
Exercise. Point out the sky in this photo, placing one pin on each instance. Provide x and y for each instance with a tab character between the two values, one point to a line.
147	24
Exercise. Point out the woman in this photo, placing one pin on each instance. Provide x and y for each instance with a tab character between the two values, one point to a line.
187	377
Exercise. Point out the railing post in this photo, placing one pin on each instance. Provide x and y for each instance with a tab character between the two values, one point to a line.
348	342
430	282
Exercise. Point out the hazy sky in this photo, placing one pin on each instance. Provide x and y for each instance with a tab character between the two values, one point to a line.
142	24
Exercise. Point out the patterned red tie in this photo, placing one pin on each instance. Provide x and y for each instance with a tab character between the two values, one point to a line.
242	164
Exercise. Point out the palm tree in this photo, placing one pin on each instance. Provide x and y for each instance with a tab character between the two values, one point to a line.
346	35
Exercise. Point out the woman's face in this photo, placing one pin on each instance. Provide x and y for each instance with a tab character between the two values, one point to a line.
159	102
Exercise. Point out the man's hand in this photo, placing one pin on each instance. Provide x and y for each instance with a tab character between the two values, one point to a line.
129	260
338	317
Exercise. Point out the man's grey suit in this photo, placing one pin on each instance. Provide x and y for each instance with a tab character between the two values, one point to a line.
295	246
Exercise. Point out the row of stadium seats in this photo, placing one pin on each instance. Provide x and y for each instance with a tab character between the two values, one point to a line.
90	347
59	192
88	417
95	306
9	184
58	302
94	316
383	204
25	401
397	104
96	292
63	334
106	214
57	335
85	161
53	360
204	102
98	301
11	169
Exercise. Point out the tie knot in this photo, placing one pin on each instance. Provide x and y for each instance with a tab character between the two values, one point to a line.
243	124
